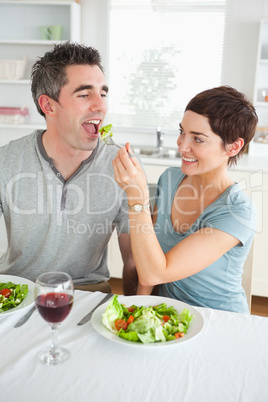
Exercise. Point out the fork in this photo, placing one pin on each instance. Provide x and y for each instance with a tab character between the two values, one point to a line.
109	141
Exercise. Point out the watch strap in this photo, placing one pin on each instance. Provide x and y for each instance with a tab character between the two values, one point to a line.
138	207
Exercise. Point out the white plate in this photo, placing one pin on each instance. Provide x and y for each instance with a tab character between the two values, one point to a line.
195	327
29	299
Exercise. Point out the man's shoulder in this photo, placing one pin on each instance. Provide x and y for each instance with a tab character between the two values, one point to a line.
20	143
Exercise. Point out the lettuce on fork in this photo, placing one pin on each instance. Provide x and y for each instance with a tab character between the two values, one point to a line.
105	132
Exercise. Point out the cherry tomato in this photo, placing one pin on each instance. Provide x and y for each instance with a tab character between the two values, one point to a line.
166	318
120	324
6	292
131	309
179	334
130	319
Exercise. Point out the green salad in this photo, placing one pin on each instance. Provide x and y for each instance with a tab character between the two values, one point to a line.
11	295
146	324
105	132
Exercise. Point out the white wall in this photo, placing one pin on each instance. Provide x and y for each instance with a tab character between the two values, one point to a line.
240	47
94	25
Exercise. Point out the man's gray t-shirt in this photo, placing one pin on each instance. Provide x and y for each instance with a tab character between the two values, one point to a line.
58	225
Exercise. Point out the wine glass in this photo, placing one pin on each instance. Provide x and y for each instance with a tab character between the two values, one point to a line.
54	292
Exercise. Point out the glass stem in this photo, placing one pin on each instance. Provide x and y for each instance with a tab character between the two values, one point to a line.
54	346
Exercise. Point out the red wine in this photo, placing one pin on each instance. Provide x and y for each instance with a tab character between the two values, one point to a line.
54	307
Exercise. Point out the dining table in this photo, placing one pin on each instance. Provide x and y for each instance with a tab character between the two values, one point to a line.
227	361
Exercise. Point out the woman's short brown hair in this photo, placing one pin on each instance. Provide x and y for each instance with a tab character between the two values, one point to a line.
230	114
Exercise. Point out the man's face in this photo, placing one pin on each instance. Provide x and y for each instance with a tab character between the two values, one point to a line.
81	107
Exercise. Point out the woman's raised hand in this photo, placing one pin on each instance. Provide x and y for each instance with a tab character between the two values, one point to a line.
130	176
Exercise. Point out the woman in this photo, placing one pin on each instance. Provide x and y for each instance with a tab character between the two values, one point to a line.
203	223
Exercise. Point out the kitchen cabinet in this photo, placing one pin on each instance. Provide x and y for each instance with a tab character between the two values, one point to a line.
255	185
260	98
261	77
254	182
20	37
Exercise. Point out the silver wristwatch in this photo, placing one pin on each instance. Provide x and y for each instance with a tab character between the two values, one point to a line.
138	207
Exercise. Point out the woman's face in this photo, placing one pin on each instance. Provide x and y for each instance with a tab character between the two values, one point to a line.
201	150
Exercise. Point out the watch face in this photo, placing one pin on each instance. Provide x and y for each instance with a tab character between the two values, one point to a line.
138	207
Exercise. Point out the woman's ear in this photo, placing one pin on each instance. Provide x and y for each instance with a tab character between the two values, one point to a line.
235	147
46	104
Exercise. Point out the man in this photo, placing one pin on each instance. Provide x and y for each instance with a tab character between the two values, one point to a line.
57	192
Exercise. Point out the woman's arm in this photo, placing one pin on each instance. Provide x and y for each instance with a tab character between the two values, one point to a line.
188	257
130	277
144	290
147	290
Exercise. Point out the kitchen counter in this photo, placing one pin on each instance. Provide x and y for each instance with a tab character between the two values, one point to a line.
246	163
252	163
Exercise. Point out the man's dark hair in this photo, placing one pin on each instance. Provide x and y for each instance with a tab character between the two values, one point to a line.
49	72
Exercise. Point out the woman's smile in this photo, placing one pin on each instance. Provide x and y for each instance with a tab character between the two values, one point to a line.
188	161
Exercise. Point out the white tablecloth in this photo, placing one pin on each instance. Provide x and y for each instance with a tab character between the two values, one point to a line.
226	362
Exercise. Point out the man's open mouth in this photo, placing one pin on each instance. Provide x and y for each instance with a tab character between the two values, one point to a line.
91	126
